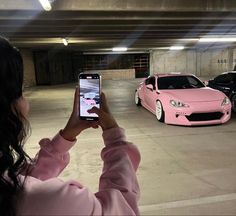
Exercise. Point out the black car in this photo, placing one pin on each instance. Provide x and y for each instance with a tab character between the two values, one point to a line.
226	82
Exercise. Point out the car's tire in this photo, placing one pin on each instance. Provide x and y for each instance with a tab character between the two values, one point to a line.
159	111
137	99
233	100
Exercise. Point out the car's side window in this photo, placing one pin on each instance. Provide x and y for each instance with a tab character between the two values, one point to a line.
219	78
147	81
225	78
234	78
192	81
152	81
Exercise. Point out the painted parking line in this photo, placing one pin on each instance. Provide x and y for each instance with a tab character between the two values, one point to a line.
191	202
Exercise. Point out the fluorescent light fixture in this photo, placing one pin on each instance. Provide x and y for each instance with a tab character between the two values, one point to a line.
217	39
119	49
176	48
65	41
103	52
46	5
188	39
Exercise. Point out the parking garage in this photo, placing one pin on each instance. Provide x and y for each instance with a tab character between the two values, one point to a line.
184	170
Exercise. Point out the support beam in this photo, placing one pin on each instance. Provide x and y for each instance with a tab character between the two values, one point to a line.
124	5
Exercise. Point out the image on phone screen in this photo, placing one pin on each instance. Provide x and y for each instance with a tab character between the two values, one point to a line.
89	96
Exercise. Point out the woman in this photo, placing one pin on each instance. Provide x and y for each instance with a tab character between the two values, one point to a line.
31	187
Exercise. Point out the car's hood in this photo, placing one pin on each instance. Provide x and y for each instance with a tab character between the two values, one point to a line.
195	95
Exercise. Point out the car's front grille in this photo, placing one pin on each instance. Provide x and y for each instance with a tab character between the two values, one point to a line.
205	116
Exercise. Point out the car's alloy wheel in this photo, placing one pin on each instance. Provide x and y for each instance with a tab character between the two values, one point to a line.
159	111
137	99
233	99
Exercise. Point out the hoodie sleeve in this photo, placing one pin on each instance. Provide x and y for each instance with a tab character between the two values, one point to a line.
118	186
52	158
118	192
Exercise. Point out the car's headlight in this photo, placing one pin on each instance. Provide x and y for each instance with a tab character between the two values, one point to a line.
226	101
178	104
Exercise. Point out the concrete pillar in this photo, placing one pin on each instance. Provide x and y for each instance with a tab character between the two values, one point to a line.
231	59
151	63
29	69
234	57
198	63
205	66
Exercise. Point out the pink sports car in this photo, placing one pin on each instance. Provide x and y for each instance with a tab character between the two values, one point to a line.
89	101
182	99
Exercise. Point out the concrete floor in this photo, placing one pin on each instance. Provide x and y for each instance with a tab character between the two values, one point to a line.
184	170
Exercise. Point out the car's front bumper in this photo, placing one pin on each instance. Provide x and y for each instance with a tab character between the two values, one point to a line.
201	113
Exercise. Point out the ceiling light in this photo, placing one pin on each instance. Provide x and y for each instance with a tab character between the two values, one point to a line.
65	41
176	48
119	49
217	39
188	39
46	5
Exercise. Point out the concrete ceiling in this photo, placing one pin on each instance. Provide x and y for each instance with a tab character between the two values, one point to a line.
99	25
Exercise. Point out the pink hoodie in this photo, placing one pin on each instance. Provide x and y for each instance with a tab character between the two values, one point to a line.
45	194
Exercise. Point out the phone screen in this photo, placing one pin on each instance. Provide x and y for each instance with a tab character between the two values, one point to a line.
89	85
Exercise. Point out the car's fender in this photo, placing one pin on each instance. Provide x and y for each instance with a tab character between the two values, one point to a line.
140	90
164	98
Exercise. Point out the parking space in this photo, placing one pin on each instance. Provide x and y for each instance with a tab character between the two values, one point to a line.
184	170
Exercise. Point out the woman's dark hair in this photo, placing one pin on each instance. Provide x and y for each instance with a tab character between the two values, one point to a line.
13	128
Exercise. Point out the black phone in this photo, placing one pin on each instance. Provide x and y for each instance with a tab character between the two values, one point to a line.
90	95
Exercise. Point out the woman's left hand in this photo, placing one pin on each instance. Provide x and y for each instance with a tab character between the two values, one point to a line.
74	125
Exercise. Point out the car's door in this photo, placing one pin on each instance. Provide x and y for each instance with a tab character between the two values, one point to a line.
150	92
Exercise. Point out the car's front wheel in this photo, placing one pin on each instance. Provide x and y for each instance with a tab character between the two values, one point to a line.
233	100
159	111
137	99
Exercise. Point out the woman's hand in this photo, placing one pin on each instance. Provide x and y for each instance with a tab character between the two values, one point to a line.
106	120
74	125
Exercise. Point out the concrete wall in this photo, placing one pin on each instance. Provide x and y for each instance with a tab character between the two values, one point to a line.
116	74
173	61
204	63
29	70
216	61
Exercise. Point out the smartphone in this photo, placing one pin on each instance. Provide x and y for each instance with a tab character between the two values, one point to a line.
90	92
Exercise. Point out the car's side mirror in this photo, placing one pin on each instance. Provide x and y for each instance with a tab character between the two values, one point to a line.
150	87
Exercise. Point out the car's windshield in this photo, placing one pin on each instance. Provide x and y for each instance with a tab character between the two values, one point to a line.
179	82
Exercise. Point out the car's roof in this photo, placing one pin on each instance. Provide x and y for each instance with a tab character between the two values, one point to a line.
172	74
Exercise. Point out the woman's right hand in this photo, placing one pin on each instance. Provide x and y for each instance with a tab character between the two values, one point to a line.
106	120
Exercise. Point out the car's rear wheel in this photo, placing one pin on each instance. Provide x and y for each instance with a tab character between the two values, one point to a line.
233	100
137	99
159	111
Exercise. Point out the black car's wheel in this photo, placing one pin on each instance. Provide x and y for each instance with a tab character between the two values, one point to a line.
137	99
233	100
159	111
